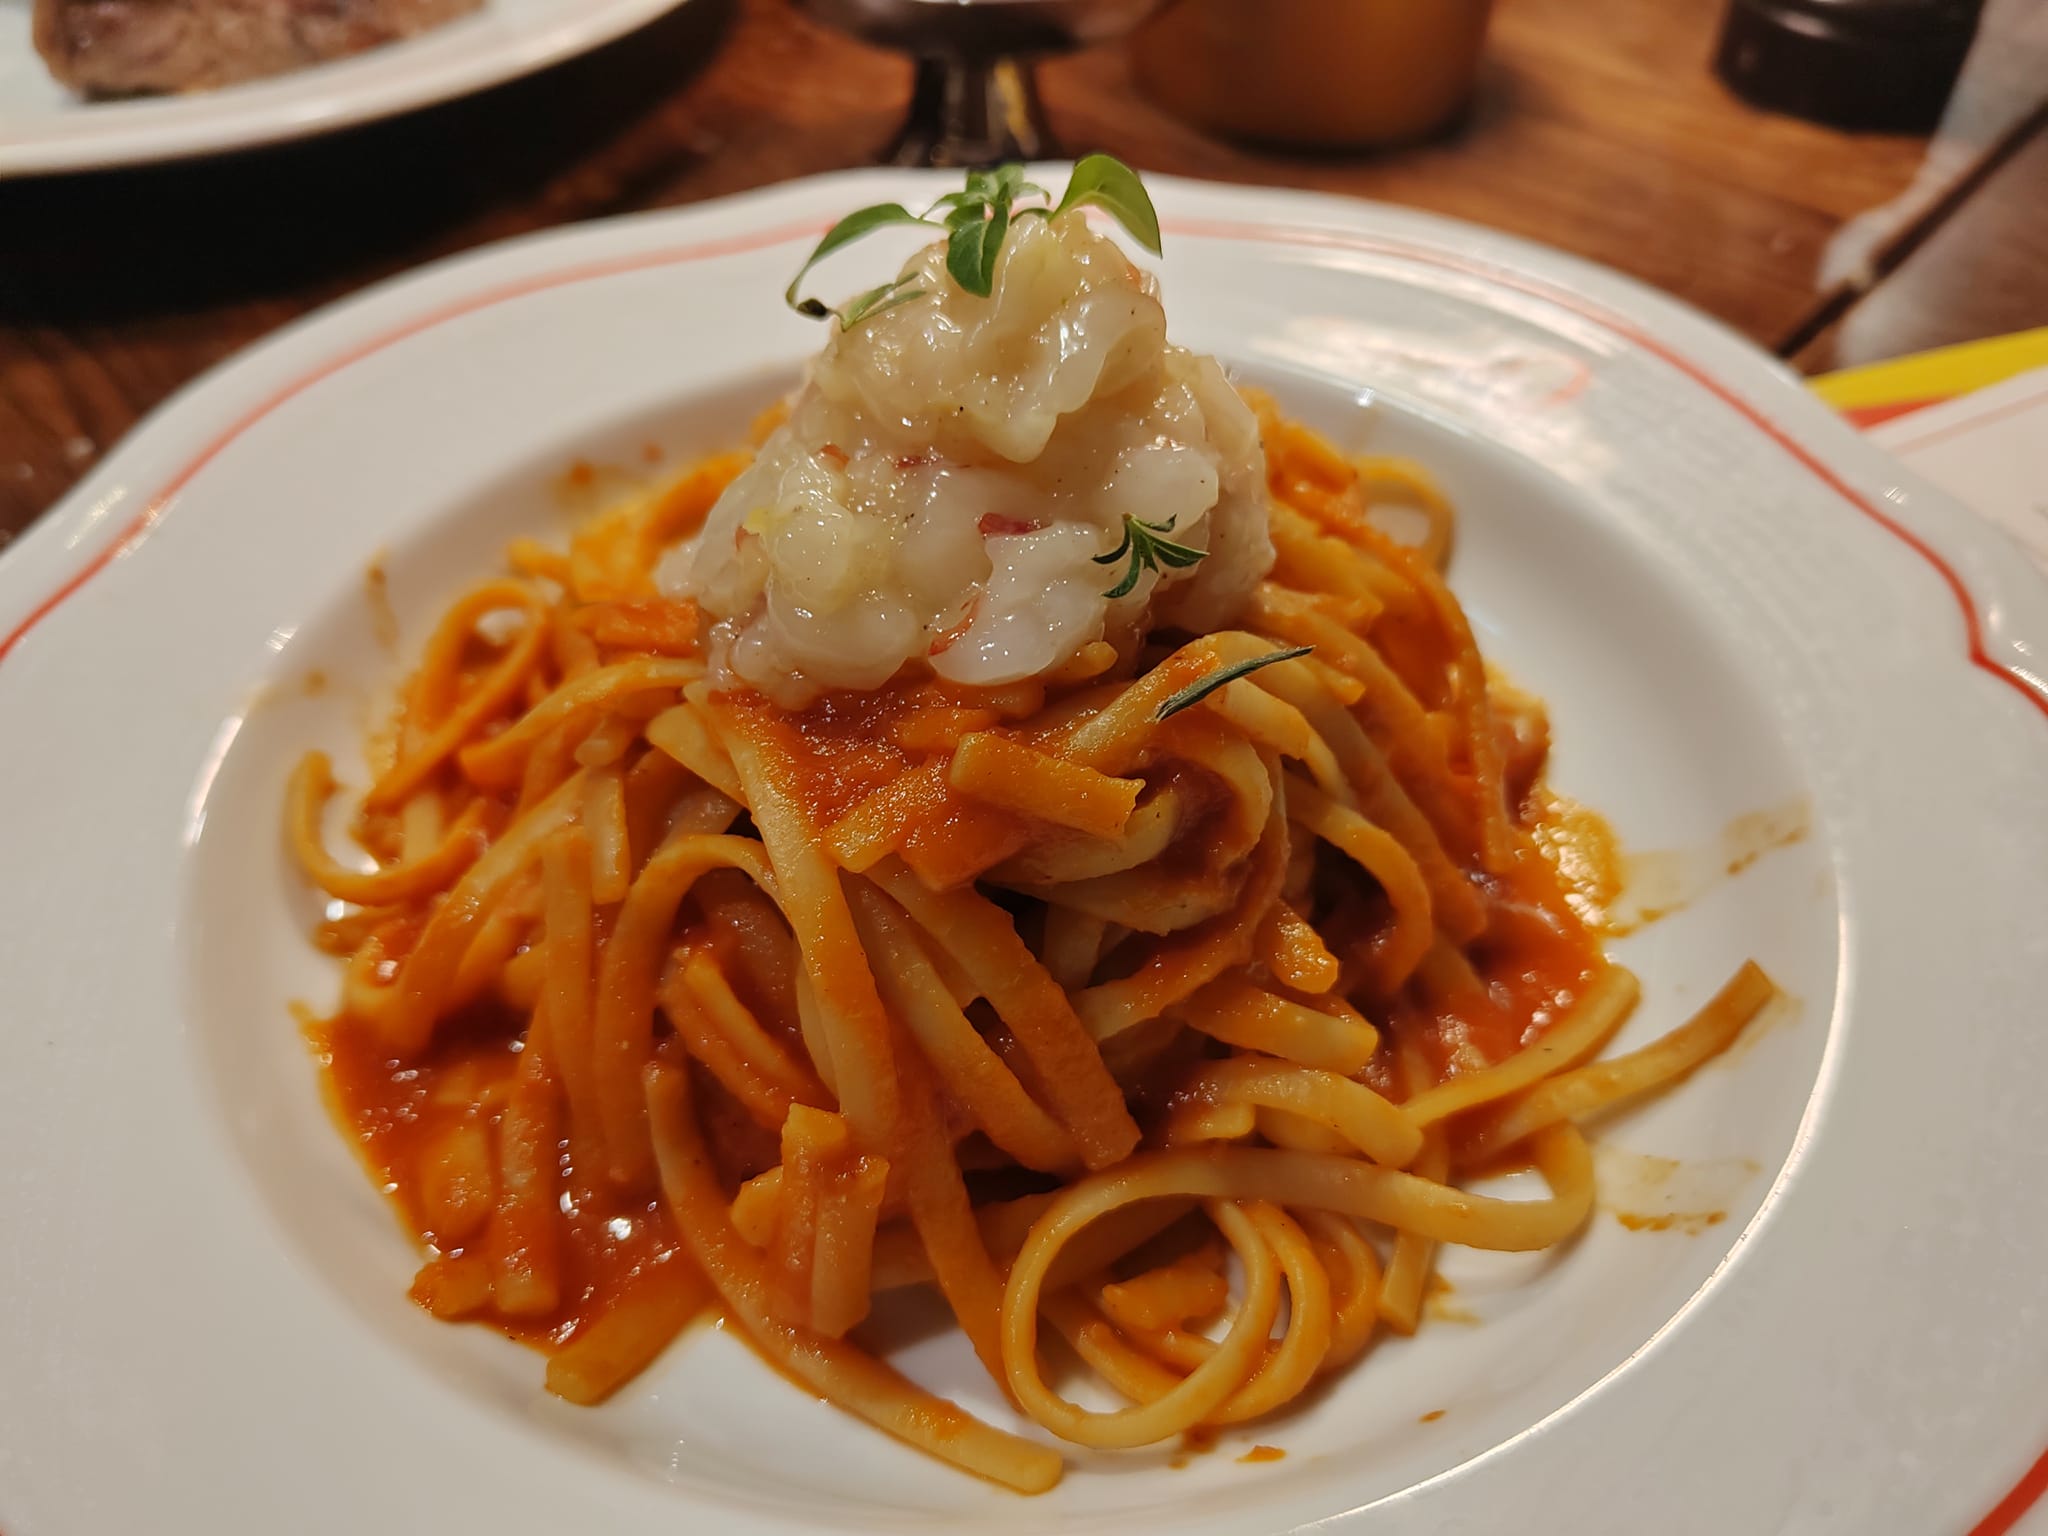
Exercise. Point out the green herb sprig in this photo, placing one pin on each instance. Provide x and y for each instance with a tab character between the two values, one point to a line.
976	220
1190	696
1147	548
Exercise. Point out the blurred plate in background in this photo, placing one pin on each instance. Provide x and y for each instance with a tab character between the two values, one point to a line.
45	127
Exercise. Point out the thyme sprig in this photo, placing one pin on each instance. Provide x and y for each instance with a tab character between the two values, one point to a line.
1147	548
1192	695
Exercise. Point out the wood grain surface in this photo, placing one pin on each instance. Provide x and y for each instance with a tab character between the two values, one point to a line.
1598	127
1982	272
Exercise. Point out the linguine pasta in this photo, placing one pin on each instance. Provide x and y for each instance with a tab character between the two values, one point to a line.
661	998
1156	984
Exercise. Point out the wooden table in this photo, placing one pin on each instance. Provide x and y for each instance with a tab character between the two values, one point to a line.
1598	128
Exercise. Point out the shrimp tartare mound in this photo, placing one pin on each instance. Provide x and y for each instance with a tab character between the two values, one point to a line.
954	468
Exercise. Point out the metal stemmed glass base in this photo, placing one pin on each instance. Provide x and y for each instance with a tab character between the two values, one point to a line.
973	112
975	100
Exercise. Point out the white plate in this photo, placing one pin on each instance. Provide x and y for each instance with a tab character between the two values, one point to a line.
45	127
1732	604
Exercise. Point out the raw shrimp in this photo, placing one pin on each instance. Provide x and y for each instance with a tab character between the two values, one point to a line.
953	466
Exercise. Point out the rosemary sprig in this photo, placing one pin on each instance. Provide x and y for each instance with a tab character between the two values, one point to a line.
1192	695
1147	549
977	220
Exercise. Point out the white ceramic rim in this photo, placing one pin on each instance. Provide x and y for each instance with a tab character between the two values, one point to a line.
1731	1451
468	55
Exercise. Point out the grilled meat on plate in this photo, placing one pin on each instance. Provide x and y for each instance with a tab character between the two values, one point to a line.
122	47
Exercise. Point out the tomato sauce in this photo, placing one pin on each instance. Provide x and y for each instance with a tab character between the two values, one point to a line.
1536	956
402	1116
847	747
839	751
428	1128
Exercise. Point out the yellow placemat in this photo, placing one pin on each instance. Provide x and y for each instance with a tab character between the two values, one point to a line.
1880	391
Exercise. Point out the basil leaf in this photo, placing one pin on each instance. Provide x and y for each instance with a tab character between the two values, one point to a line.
976	220
1107	183
865	306
1189	697
972	251
1007	184
844	233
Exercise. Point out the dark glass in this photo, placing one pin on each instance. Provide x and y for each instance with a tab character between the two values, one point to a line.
1871	64
975	102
